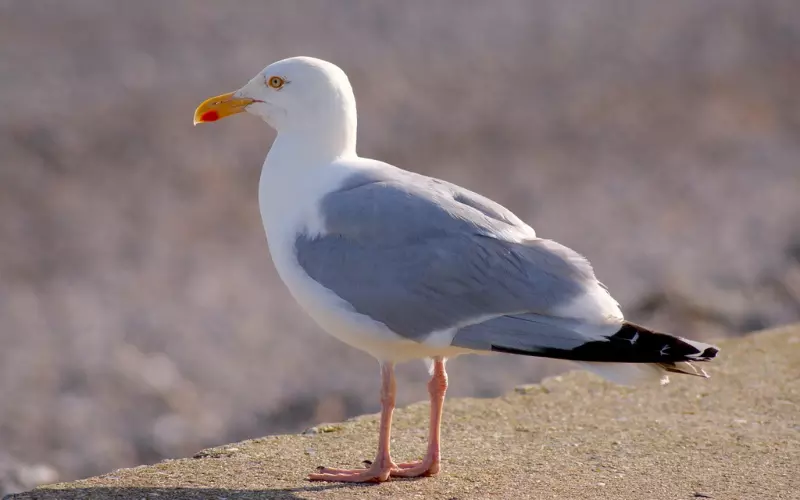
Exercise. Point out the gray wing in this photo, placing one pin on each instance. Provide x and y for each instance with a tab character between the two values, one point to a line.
421	255
434	198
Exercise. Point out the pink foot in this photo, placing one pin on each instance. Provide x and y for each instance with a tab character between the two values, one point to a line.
374	474
420	468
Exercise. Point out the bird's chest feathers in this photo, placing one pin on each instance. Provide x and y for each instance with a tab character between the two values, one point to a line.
289	210
290	207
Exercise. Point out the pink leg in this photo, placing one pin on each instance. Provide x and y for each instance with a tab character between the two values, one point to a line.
382	466
429	465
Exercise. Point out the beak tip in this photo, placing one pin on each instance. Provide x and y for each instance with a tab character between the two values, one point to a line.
216	108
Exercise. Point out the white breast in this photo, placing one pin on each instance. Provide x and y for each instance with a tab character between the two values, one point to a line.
290	205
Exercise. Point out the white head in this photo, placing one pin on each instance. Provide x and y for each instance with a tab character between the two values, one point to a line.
306	97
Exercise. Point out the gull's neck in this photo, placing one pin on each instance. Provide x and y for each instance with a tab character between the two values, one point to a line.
319	139
301	167
309	148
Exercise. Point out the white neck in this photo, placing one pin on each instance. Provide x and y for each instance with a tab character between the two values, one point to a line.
302	166
319	136
302	149
296	174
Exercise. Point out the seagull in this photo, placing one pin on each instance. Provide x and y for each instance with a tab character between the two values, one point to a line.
405	267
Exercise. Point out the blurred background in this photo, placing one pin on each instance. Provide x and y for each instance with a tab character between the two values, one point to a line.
140	314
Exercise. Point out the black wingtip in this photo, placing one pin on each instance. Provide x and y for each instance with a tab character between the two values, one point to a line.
630	344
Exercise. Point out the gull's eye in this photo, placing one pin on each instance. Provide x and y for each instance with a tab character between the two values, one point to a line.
276	82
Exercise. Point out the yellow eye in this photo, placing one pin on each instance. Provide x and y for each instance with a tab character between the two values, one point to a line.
276	82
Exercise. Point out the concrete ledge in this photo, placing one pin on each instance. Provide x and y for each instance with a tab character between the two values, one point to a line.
735	436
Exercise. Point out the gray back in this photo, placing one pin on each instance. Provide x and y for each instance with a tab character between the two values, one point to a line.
421	255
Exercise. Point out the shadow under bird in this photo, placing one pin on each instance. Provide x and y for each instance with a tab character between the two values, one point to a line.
405	266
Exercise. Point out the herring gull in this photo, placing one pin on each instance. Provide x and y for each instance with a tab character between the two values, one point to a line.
405	266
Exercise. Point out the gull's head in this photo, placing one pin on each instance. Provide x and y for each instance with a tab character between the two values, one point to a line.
294	93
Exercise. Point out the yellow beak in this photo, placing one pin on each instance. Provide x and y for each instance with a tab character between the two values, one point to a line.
220	106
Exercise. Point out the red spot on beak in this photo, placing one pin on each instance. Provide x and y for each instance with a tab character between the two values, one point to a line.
210	116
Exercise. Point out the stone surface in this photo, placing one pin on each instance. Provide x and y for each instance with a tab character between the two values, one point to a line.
735	436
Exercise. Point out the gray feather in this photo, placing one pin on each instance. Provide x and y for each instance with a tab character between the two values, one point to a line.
422	255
